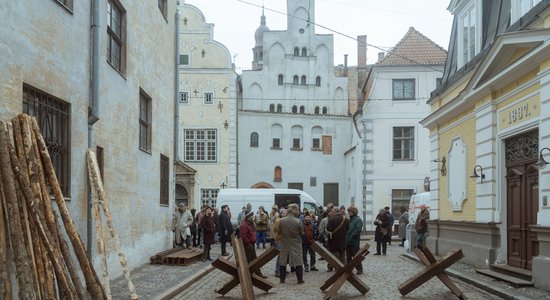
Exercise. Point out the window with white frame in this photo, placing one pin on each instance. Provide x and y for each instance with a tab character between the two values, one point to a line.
403	143
209	197
208	98
184	59
200	145
184	97
276	135
403	89
297	133
467	40
521	7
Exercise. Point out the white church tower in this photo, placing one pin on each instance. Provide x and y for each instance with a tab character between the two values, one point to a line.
294	125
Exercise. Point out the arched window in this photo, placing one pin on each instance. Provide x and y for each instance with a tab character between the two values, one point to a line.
276	135
316	133
316	110
280	79
297	134
304	51
318	81
278	174
296	51
303	80
279	108
294	109
295	79
254	139
271	107
325	110
302	109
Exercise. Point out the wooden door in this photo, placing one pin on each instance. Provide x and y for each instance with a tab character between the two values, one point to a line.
522	195
522	185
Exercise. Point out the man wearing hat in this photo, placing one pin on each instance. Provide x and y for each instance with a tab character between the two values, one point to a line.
181	226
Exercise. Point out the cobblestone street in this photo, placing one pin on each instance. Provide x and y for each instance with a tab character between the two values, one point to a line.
383	274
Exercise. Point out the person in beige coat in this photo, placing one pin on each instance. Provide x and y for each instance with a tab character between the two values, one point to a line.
181	226
291	244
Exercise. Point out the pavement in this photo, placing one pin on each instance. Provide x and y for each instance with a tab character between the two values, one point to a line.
383	274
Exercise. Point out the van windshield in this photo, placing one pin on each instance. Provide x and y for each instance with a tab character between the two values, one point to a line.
283	200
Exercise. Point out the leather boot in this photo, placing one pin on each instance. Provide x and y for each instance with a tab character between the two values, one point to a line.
300	274
282	274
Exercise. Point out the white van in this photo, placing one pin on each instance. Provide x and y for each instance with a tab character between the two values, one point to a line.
414	205
236	199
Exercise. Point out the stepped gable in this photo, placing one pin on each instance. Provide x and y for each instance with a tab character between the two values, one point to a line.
415	49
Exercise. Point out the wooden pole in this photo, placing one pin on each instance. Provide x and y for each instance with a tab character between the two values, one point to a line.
100	243
73	271
40	190
94	287
66	286
95	178
5	283
27	231
26	287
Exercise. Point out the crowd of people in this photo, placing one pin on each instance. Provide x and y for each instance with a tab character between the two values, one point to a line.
292	232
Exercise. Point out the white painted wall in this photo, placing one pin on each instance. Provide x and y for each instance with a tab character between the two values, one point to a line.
380	115
261	88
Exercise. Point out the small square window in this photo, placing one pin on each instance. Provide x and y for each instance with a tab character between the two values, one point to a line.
184	59
184	97
208	98
312	181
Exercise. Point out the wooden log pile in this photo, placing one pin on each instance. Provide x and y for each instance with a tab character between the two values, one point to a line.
32	234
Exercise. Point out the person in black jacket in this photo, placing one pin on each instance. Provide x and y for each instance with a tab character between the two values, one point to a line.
225	228
382	223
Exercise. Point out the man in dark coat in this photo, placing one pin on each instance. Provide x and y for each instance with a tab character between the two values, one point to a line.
225	229
336	232
353	236
382	223
307	240
392	220
208	230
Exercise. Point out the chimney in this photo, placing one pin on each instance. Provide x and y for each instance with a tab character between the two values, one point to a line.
361	51
381	56
345	64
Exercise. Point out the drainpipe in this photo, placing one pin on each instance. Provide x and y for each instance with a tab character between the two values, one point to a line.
93	115
176	97
176	89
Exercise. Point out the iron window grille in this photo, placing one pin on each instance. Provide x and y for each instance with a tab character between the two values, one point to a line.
53	117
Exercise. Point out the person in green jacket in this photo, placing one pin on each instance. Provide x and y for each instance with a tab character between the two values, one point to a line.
353	236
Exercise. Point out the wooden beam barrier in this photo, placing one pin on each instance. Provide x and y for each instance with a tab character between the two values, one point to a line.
343	272
243	272
433	268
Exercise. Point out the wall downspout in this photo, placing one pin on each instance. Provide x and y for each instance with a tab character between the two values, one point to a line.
93	115
176	97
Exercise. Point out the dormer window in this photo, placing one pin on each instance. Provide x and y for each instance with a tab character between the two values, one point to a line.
468	30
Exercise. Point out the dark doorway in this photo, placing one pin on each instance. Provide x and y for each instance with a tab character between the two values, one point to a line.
522	191
181	195
330	194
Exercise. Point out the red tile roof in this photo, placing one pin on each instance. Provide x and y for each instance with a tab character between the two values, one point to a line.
415	49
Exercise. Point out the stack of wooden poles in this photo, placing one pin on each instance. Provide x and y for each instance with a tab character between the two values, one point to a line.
31	232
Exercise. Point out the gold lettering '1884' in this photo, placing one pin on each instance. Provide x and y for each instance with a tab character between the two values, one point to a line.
518	113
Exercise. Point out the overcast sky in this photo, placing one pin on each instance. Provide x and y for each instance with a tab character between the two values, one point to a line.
384	22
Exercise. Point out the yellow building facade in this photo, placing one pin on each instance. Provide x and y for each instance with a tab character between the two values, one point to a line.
490	130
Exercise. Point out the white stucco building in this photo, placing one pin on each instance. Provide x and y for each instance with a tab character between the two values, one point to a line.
125	113
293	121
207	112
391	158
